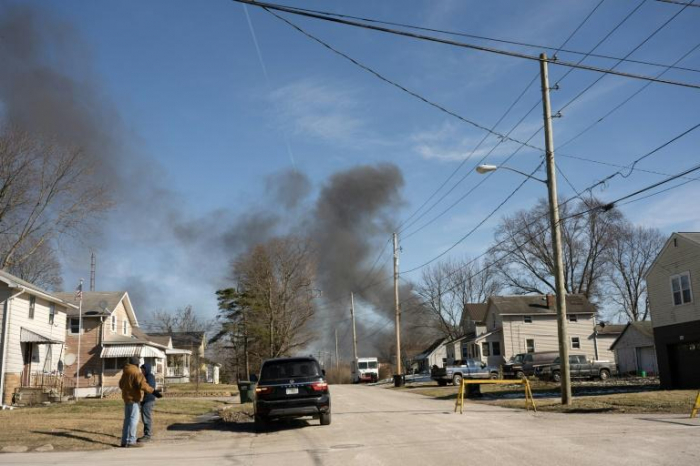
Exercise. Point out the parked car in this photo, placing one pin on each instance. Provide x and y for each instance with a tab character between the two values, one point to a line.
531	361
513	369
292	388
579	368
467	369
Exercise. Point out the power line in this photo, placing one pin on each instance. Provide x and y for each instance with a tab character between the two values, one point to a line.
534	106
492	39
624	102
675	2
491	214
656	31
389	81
555	61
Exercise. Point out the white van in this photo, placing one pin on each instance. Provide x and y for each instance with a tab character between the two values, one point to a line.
365	370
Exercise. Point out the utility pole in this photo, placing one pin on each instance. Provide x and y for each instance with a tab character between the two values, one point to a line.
336	349
556	236
396	304
354	333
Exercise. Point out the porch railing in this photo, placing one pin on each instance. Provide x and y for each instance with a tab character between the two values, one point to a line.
44	380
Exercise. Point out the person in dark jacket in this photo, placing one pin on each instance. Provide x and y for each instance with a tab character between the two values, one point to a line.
147	405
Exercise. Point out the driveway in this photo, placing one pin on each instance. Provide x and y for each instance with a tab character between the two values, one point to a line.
376	426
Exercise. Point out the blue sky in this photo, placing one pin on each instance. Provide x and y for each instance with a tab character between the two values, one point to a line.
210	125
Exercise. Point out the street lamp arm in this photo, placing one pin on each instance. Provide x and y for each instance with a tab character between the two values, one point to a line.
490	168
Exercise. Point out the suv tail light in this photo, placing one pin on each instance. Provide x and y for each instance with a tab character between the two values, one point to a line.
263	390
319	386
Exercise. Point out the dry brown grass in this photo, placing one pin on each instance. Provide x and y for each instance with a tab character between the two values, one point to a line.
342	375
659	401
205	389
642	399
89	424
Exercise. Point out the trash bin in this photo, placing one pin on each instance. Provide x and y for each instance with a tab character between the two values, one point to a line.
399	380
246	390
642	373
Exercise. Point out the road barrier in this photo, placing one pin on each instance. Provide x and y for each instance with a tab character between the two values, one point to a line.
529	400
696	406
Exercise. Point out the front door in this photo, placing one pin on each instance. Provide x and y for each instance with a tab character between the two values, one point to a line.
27	350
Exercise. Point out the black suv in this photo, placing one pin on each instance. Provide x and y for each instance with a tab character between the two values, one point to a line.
292	387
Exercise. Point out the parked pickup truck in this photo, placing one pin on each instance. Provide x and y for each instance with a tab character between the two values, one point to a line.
467	369
579	368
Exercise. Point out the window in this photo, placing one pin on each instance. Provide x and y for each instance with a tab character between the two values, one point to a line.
114	324
680	287
32	306
572	317
575	343
124	327
52	313
115	364
74	325
530	343
496	348
485	349
527	319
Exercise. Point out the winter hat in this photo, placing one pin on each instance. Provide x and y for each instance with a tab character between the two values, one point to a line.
135	360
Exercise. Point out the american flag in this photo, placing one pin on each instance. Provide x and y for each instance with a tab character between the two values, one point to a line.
79	291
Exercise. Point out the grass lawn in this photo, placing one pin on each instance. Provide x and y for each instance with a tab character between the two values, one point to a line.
588	398
89	424
658	401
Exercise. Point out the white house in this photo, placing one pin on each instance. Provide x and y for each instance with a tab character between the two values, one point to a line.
32	339
434	355
634	349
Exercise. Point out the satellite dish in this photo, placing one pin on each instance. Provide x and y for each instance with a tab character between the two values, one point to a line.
70	359
103	305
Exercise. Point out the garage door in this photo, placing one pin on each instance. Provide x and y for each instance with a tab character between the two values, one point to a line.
685	365
646	360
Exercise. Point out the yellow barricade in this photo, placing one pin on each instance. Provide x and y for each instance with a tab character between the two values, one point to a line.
696	406
529	400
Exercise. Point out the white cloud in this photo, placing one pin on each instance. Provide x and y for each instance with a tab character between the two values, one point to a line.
320	110
449	142
675	211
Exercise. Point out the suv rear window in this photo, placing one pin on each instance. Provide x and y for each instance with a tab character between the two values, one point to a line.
289	369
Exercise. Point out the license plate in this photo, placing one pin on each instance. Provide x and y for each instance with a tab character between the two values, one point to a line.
292	391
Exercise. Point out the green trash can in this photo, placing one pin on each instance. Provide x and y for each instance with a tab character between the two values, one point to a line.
246	390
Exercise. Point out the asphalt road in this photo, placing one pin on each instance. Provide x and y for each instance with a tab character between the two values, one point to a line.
375	426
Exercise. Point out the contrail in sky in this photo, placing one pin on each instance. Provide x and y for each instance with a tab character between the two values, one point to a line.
267	80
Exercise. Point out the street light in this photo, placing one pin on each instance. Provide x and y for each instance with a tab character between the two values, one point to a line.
559	268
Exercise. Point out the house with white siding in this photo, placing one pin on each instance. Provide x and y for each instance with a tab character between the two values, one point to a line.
434	355
634	349
672	280
528	324
32	339
473	326
109	336
604	335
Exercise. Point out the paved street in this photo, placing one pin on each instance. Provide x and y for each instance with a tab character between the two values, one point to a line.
374	426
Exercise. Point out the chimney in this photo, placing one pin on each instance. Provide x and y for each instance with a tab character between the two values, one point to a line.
550	301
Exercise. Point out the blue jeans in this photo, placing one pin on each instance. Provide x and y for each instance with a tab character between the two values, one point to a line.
147	418
131	423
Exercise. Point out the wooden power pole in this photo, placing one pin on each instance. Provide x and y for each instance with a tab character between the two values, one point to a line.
336	349
354	333
556	236
396	304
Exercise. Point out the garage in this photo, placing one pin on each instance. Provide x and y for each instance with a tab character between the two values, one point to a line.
685	364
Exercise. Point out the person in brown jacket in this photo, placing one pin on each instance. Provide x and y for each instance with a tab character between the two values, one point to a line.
133	384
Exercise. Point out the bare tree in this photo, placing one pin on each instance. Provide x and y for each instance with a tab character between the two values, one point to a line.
183	319
632	252
523	240
447	287
40	268
277	280
46	191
